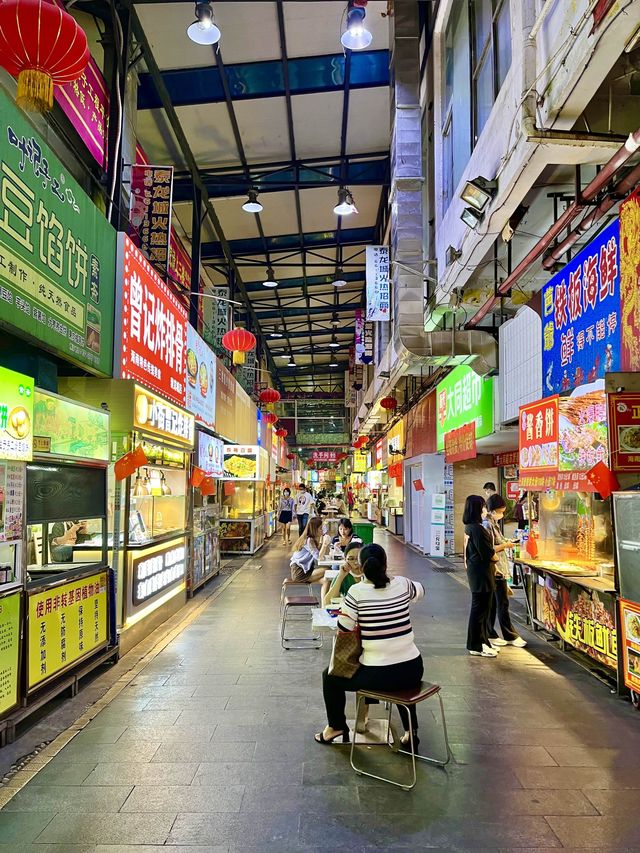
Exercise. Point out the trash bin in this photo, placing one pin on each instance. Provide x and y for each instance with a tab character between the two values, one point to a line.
364	530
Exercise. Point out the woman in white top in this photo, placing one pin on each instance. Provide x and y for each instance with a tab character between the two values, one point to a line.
390	660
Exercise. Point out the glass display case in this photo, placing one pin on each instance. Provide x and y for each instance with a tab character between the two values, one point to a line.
157	504
242	523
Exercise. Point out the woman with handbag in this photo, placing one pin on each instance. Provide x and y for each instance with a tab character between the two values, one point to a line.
306	553
480	561
377	609
496	506
285	515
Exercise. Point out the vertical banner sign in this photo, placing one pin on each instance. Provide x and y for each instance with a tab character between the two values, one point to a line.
217	313
359	335
200	379
538	444
57	251
624	431
438	515
150	210
581	316
630	624
629	268
9	651
367	356
179	263
151	346
85	103
378	293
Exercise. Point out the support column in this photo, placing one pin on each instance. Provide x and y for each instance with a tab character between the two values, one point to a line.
117	58
196	243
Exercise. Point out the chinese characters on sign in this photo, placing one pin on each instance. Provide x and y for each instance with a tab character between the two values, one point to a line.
378	289
66	623
201	371
503	460
155	415
56	250
325	455
538	443
460	444
12	479
85	103
9	650
363	339
629	266
630	624
225	402
157	572
624	431
16	415
154	327
581	316
210	451
150	210
464	397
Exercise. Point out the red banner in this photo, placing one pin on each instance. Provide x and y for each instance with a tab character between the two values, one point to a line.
503	460
624	431
460	444
538	444
154	329
395	471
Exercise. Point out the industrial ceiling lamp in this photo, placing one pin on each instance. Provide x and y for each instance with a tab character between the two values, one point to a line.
203	30
479	192
270	280
276	333
252	205
292	362
356	36
333	363
334	343
345	205
334	321
339	280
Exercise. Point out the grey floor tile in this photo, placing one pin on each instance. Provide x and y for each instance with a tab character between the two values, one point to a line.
266	773
185	798
587	777
23	827
68	798
168	734
108	752
583	756
152	828
57	772
291	798
154	848
616	832
270	832
193	751
614	802
154	773
100	733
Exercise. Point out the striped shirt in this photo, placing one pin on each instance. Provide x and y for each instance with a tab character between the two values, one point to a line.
384	621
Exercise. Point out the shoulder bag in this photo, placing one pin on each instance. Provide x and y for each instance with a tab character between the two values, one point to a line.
345	656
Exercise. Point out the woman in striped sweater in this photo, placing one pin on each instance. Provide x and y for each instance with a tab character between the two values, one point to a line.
390	659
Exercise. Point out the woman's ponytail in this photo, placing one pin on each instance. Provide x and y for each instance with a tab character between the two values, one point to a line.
373	560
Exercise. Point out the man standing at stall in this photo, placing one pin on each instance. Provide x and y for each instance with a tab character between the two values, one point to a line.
304	503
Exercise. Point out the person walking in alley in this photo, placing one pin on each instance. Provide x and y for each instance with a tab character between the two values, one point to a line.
496	507
304	502
479	561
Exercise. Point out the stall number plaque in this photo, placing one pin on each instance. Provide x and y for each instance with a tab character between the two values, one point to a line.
157	572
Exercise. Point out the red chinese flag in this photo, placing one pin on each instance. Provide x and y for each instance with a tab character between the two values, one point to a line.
127	464
197	476
208	486
603	479
418	485
229	488
532	546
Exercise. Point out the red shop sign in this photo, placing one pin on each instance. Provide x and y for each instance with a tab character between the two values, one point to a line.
502	460
513	490
538	442
460	444
154	328
325	455
624	431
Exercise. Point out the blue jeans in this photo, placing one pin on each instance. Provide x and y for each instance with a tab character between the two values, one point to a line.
303	520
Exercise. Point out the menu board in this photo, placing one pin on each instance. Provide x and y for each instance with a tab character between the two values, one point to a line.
12	476
9	650
151	342
200	379
65	428
210	454
16	415
66	623
538	443
624	431
630	625
241	462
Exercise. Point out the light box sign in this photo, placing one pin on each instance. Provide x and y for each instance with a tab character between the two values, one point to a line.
460	444
65	428
200	379
464	397
210	454
152	414
330	456
10	625
624	431
57	251
538	444
150	210
157	572
241	462
378	288
581	317
16	415
151	345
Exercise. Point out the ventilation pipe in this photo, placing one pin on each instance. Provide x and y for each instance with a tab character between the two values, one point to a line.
415	349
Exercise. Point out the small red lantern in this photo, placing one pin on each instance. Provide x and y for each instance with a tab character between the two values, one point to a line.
43	46
269	396
291	456
282	432
389	403
270	418
239	342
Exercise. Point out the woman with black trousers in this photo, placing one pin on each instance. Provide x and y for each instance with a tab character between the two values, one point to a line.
479	560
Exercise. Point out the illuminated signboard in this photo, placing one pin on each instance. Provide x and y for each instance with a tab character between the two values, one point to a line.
154	573
241	462
200	366
16	415
64	428
464	397
155	415
210	454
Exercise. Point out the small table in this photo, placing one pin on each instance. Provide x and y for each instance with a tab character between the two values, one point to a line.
321	619
330	563
331	574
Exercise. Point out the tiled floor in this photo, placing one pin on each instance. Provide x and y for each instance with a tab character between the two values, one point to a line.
211	748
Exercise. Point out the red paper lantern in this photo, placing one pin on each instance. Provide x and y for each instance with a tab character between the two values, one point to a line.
238	342
270	418
269	396
282	432
291	456
389	403
43	46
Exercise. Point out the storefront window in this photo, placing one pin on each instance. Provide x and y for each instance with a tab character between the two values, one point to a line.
456	97
491	56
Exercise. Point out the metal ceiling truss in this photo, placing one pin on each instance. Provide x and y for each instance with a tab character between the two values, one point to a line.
290	243
312	281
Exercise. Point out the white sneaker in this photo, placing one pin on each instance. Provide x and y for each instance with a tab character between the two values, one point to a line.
497	641
493	651
485	653
519	643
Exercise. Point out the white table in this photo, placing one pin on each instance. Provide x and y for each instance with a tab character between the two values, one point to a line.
322	619
331	574
329	563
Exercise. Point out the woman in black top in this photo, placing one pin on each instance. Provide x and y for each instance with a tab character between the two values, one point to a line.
479	560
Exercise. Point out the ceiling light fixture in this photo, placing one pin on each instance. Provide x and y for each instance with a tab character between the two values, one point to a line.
252	205
333	363
334	321
356	36
339	280
291	362
203	30
276	333
479	192
270	280
345	205
334	343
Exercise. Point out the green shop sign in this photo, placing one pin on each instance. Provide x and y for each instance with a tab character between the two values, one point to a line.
464	397
65	428
57	251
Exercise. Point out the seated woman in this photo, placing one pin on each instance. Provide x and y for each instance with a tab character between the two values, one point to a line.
390	659
349	574
306	553
345	537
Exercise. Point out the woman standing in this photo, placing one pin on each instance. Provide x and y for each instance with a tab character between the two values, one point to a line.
390	659
496	507
285	515
479	560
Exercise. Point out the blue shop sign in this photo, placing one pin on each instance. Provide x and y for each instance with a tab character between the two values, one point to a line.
581	316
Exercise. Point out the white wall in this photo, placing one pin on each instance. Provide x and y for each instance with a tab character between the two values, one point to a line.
431	467
520	362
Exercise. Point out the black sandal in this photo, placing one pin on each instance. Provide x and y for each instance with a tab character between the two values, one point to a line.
320	738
